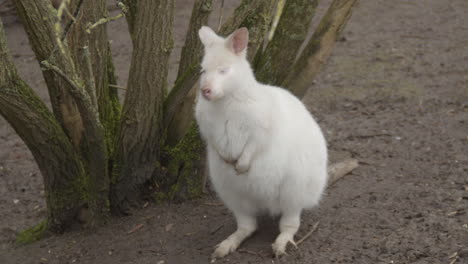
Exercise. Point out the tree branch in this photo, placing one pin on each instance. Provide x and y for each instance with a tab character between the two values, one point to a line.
72	74
56	157
282	50
91	83
103	21
75	86
188	71
141	126
131	14
319	47
39	22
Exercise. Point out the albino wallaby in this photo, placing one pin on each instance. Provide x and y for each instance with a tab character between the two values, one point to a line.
266	154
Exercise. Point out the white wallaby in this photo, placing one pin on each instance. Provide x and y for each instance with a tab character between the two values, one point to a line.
266	154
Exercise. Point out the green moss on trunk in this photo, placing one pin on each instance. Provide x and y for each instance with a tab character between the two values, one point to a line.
183	167
32	234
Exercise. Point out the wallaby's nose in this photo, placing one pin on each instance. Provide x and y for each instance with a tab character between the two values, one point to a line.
206	92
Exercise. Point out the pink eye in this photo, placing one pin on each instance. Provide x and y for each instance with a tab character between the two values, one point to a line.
223	70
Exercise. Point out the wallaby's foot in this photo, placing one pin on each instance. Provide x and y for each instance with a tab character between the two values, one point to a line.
246	226
227	246
279	247
289	224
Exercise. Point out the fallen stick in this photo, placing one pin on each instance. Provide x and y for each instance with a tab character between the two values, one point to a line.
338	170
308	234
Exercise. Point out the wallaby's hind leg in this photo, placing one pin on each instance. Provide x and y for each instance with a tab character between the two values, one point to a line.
289	224
246	225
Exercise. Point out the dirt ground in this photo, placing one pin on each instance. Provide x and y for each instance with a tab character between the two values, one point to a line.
394	95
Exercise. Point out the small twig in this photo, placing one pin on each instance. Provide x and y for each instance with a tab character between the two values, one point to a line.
308	234
70	15
61	74
454	260
70	23
103	21
58	26
136	228
117	87
276	18
339	170
220	16
212	232
453	255
91	83
242	250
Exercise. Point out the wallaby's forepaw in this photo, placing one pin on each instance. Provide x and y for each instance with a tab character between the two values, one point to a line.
224	248
279	247
241	167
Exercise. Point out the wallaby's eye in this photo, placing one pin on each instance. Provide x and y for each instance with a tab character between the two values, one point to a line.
223	70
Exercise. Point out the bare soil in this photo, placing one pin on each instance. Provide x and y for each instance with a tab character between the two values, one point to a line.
394	95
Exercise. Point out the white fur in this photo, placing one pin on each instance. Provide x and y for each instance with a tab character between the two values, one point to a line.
266	154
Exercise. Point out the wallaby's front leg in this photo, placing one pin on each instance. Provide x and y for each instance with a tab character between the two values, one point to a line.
243	162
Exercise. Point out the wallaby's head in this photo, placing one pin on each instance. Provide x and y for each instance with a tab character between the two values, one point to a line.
224	66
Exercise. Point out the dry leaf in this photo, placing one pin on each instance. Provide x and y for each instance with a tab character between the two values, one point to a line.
168	227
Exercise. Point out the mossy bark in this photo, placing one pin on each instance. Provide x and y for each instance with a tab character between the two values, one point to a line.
63	69
38	19
178	114
61	166
319	47
32	234
272	65
180	176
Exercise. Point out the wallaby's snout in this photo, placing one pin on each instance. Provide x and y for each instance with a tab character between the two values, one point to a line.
206	92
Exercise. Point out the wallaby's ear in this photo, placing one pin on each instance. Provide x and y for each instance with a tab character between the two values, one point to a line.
207	36
238	40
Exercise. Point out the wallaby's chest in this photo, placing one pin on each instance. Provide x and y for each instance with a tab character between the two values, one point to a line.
225	129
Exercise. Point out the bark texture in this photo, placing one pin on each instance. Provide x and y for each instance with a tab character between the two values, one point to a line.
60	70
92	46
272	65
60	165
38	20
140	135
319	47
188	65
89	53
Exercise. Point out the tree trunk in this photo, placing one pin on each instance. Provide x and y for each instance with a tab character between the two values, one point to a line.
288	37
89	51
64	176
180	176
38	20
140	135
79	37
42	23
189	61
319	48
